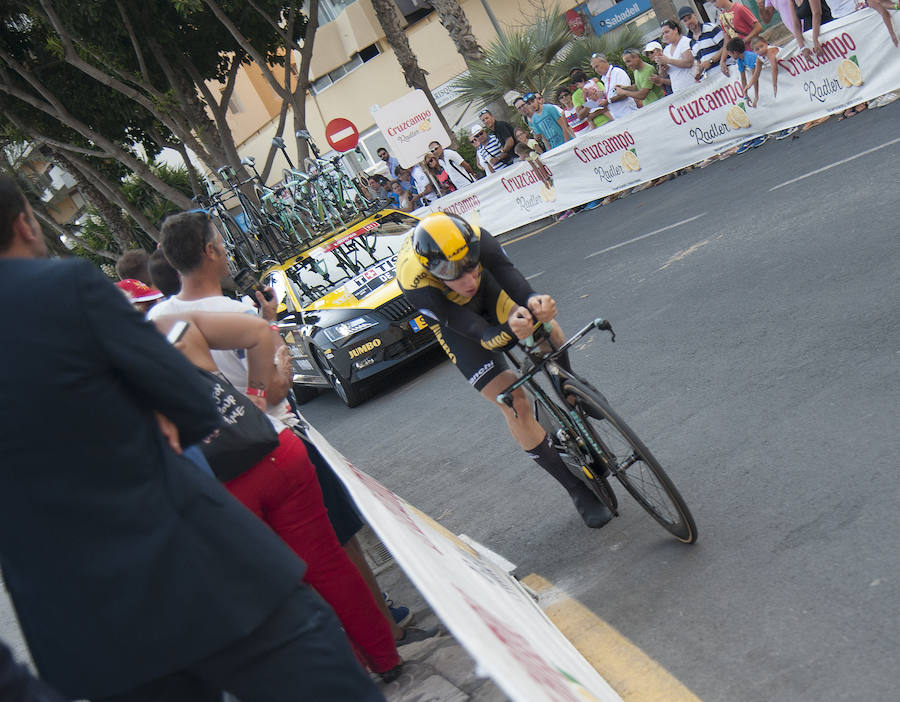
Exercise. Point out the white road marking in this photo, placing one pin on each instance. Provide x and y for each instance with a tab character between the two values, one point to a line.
835	164
534	275
648	234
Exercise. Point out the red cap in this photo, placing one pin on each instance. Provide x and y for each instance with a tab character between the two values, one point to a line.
138	291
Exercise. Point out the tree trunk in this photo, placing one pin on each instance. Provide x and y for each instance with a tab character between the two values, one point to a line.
386	11
454	19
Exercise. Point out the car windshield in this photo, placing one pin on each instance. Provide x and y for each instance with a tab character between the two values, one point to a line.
363	256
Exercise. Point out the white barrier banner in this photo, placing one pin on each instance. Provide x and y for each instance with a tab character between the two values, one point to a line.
485	609
857	62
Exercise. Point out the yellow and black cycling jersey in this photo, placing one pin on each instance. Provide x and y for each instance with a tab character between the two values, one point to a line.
482	317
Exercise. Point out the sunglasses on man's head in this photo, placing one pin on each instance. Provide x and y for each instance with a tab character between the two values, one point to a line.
485	111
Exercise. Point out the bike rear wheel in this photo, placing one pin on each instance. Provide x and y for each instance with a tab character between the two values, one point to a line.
633	465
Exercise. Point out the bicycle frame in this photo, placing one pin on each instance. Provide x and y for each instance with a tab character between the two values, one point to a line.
545	363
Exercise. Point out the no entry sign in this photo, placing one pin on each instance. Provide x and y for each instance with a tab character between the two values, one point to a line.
341	134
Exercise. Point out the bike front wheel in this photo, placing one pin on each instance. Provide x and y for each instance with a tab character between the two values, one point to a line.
632	463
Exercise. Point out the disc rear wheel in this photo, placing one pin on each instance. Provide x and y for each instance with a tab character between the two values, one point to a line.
632	463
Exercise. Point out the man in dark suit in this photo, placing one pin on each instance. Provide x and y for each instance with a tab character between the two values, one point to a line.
135	576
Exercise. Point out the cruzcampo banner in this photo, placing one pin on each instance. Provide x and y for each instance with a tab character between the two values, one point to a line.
486	610
857	62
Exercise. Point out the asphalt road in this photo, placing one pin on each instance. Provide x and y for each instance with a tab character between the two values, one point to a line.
757	355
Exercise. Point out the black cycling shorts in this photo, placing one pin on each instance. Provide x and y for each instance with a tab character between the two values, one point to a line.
476	363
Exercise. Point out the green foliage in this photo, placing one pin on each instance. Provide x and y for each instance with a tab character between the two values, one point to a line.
537	57
519	59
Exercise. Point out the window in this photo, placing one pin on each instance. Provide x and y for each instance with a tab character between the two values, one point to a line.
357	60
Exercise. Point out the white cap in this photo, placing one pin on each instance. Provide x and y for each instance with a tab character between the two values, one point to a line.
476	129
652	46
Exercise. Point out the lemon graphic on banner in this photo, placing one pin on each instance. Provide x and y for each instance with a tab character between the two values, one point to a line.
736	118
548	193
630	161
848	74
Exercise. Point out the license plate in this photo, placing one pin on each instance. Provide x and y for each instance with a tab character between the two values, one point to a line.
418	323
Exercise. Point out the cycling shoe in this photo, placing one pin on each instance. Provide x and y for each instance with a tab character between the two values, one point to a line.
594	513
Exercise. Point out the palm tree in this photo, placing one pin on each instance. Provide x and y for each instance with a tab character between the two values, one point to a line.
386	11
537	57
454	20
519	59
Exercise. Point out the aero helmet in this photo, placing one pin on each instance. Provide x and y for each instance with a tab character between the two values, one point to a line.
446	245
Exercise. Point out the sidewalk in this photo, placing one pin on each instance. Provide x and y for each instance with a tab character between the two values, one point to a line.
437	669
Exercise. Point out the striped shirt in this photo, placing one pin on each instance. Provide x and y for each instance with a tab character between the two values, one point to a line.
491	149
712	38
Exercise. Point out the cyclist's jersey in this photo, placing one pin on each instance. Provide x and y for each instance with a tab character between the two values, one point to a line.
483	320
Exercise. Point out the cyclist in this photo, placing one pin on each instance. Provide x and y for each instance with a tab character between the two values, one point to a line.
459	277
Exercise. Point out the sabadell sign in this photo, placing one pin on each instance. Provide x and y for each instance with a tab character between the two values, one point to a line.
409	125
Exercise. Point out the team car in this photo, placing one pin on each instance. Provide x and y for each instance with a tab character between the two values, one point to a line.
341	311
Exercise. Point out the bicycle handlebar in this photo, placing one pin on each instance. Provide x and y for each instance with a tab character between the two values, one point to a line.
505	397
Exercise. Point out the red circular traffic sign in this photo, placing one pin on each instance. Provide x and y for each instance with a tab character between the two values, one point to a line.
341	134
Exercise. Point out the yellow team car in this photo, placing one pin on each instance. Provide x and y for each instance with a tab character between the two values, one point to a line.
342	312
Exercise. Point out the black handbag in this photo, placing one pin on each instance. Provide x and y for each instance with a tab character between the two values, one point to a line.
245	435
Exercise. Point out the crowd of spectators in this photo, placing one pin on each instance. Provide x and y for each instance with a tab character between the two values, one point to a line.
178	566
689	51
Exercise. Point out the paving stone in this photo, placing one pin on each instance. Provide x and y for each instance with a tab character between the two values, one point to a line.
456	665
434	688
420	649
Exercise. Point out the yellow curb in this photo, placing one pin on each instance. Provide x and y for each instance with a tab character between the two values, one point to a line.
630	671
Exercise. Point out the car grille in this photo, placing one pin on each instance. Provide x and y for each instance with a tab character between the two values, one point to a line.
397	309
409	344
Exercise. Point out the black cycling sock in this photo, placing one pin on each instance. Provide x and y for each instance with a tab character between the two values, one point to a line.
549	459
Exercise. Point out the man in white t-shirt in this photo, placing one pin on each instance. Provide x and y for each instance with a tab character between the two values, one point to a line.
619	105
677	57
460	172
195	250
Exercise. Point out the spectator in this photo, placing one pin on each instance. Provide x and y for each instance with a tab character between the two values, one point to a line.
195	249
162	276
133	264
502	130
744	59
523	136
548	121
378	187
767	55
619	105
461	173
439	174
17	684
788	12
195	595
592	104
661	78
813	13
488	148
423	186
282	488
737	22
142	296
404	199
392	163
677	56
578	125
707	41
644	91
524	109
404	177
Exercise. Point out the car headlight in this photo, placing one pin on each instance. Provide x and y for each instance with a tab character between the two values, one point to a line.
349	328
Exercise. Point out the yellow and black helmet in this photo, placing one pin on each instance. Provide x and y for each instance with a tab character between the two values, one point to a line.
446	245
